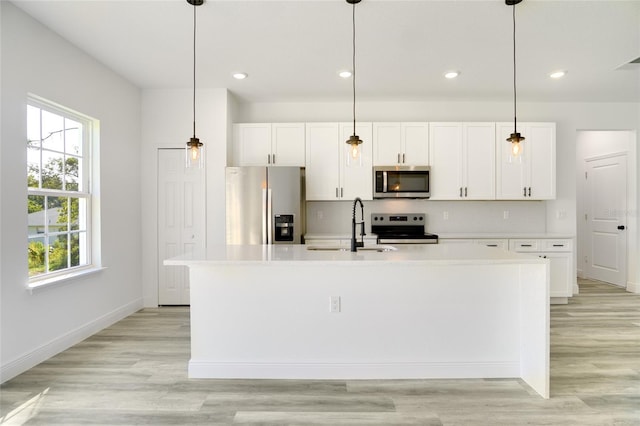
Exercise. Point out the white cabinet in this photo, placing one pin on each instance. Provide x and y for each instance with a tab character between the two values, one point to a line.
405	144
533	175
327	175
560	255
269	144
462	159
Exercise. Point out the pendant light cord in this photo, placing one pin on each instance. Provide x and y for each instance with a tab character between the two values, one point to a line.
354	67
515	120
194	70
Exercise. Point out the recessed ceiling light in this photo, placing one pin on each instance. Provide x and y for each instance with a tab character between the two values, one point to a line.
558	74
345	74
451	74
240	75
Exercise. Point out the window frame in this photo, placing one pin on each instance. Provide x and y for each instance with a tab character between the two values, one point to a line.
85	192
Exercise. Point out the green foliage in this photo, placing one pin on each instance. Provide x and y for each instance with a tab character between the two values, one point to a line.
36	252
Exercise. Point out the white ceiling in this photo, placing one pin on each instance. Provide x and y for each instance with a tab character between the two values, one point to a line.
292	50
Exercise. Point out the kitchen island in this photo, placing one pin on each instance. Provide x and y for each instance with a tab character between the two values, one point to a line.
425	311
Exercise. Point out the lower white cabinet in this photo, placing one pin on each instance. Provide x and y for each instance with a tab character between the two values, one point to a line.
558	251
560	254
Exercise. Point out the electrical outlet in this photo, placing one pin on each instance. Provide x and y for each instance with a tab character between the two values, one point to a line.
505	214
334	304
445	215
561	214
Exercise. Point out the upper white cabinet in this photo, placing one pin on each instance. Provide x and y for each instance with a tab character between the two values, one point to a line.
533	175
328	177
462	159
269	144
405	144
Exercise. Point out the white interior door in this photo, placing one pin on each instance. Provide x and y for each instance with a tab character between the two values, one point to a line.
606	204
180	222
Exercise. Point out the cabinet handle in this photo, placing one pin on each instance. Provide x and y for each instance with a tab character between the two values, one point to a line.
398	158
465	191
492	245
341	192
403	159
525	245
273	158
460	191
268	158
558	245
524	191
529	189
336	192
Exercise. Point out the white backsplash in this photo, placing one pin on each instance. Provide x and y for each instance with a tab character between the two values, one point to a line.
334	217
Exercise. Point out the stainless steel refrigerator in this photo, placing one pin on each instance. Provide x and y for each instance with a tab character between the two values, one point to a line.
265	205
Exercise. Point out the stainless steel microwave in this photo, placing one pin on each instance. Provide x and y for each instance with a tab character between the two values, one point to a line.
401	182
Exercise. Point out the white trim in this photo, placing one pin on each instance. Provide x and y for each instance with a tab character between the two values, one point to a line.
64	278
340	370
633	287
65	341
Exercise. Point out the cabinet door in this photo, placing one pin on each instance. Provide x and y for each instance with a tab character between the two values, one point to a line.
356	180
561	284
542	164
415	144
322	161
445	155
387	141
533	176
287	144
511	177
253	144
479	161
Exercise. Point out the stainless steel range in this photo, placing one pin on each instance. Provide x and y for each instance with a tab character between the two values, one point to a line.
403	228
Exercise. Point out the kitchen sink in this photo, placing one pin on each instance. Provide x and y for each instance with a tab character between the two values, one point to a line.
377	247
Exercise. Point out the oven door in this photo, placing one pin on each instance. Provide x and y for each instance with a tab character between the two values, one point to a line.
401	182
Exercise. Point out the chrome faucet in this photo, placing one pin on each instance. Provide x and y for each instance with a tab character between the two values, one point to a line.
355	244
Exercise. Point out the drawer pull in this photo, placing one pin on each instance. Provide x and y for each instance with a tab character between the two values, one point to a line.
526	245
558	245
492	245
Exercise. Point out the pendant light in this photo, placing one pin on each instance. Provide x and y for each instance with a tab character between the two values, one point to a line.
195	148
515	138
354	156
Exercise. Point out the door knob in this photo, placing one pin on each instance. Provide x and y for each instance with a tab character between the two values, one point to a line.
621	227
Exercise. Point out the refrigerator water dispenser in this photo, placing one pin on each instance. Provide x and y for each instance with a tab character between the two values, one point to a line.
284	229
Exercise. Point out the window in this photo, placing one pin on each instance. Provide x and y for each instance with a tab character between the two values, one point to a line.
58	190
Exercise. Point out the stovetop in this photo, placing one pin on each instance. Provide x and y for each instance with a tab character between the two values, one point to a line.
402	228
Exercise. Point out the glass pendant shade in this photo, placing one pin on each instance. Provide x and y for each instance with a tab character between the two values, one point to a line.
195	153
354	154
516	145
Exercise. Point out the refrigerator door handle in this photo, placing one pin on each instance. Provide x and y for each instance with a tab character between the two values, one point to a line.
264	216
269	217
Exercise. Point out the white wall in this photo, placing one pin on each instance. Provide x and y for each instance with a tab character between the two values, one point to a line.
167	120
36	326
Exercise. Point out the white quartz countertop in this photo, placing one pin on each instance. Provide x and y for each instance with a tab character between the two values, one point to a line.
458	235
404	254
503	235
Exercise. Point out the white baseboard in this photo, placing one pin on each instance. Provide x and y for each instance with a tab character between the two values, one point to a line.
633	287
404	370
65	341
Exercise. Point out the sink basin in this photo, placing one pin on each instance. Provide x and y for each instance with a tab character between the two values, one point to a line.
377	247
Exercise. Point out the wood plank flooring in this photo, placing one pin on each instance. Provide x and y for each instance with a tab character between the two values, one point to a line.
134	373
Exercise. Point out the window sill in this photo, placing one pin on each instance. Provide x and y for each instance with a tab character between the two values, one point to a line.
42	284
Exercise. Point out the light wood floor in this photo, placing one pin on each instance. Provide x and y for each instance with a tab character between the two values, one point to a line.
135	373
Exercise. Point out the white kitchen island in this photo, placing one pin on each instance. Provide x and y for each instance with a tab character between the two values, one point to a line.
425	311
